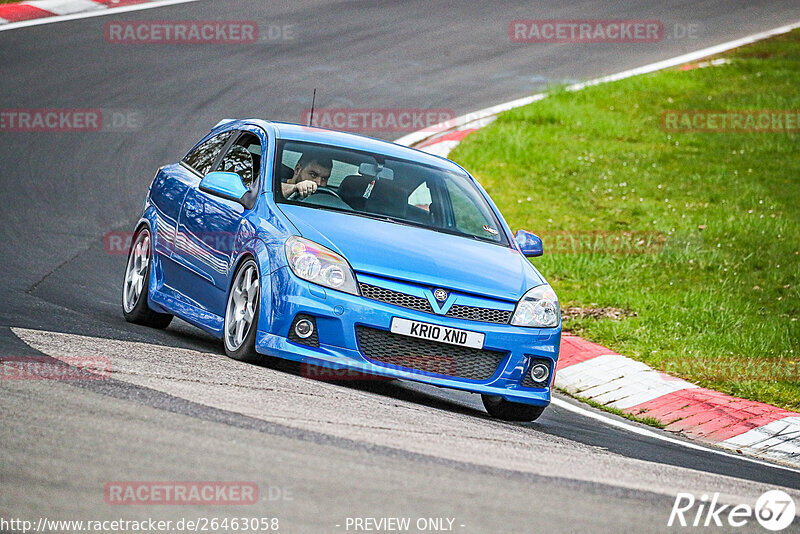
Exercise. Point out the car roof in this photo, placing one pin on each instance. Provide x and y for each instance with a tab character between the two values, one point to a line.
298	132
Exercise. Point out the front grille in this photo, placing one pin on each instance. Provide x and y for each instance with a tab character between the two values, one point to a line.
429	356
395	297
527	381
484	315
458	311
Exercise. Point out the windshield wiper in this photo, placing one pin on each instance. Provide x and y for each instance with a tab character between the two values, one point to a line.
450	231
389	218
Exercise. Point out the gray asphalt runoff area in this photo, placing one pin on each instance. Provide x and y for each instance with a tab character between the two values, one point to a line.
326	457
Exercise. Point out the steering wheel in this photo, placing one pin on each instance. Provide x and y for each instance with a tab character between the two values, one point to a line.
320	189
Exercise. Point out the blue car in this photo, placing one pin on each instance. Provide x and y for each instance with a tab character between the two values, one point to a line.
345	252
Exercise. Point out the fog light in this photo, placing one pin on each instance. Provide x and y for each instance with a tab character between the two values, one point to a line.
304	328
540	372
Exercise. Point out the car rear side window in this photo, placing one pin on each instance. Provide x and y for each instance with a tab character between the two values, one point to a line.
202	158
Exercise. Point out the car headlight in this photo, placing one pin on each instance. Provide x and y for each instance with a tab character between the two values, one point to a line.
538	308
319	265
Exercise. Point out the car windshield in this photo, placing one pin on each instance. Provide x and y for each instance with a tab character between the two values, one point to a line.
382	187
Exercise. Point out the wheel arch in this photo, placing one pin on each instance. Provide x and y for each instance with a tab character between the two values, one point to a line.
256	249
157	275
156	315
144	222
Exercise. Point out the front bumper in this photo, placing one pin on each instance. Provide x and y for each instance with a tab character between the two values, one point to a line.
337	314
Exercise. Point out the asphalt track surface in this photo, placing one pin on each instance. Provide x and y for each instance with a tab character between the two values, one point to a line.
178	410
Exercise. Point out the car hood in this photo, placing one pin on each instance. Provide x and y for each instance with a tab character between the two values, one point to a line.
418	255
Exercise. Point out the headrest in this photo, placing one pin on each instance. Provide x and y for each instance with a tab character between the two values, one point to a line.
352	190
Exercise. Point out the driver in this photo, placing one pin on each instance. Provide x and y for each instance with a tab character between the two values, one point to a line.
311	171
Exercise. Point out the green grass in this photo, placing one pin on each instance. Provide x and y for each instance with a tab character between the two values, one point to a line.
718	301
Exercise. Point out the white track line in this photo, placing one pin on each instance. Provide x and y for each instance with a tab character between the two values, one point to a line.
89	14
655	435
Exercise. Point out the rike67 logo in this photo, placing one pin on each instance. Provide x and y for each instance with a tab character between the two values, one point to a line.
774	510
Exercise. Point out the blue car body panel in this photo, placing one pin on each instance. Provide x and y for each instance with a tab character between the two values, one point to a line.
418	254
200	239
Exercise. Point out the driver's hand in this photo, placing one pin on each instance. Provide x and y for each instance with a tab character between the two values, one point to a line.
306	188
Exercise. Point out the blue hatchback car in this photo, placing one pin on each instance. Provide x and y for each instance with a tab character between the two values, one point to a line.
349	253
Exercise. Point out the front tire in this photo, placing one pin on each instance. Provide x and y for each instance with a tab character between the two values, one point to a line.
241	313
137	282
500	408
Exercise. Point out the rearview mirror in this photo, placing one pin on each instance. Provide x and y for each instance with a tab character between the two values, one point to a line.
227	185
374	170
529	243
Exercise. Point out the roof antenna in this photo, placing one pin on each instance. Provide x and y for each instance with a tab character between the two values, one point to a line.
313	101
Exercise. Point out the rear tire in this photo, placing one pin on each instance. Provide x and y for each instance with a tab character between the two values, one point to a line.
135	286
241	313
500	408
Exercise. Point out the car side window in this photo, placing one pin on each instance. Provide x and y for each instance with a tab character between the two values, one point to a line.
202	158
244	158
469	216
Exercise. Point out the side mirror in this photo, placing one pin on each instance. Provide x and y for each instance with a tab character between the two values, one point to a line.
227	185
529	243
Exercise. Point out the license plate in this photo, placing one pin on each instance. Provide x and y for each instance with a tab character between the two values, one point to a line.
434	332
